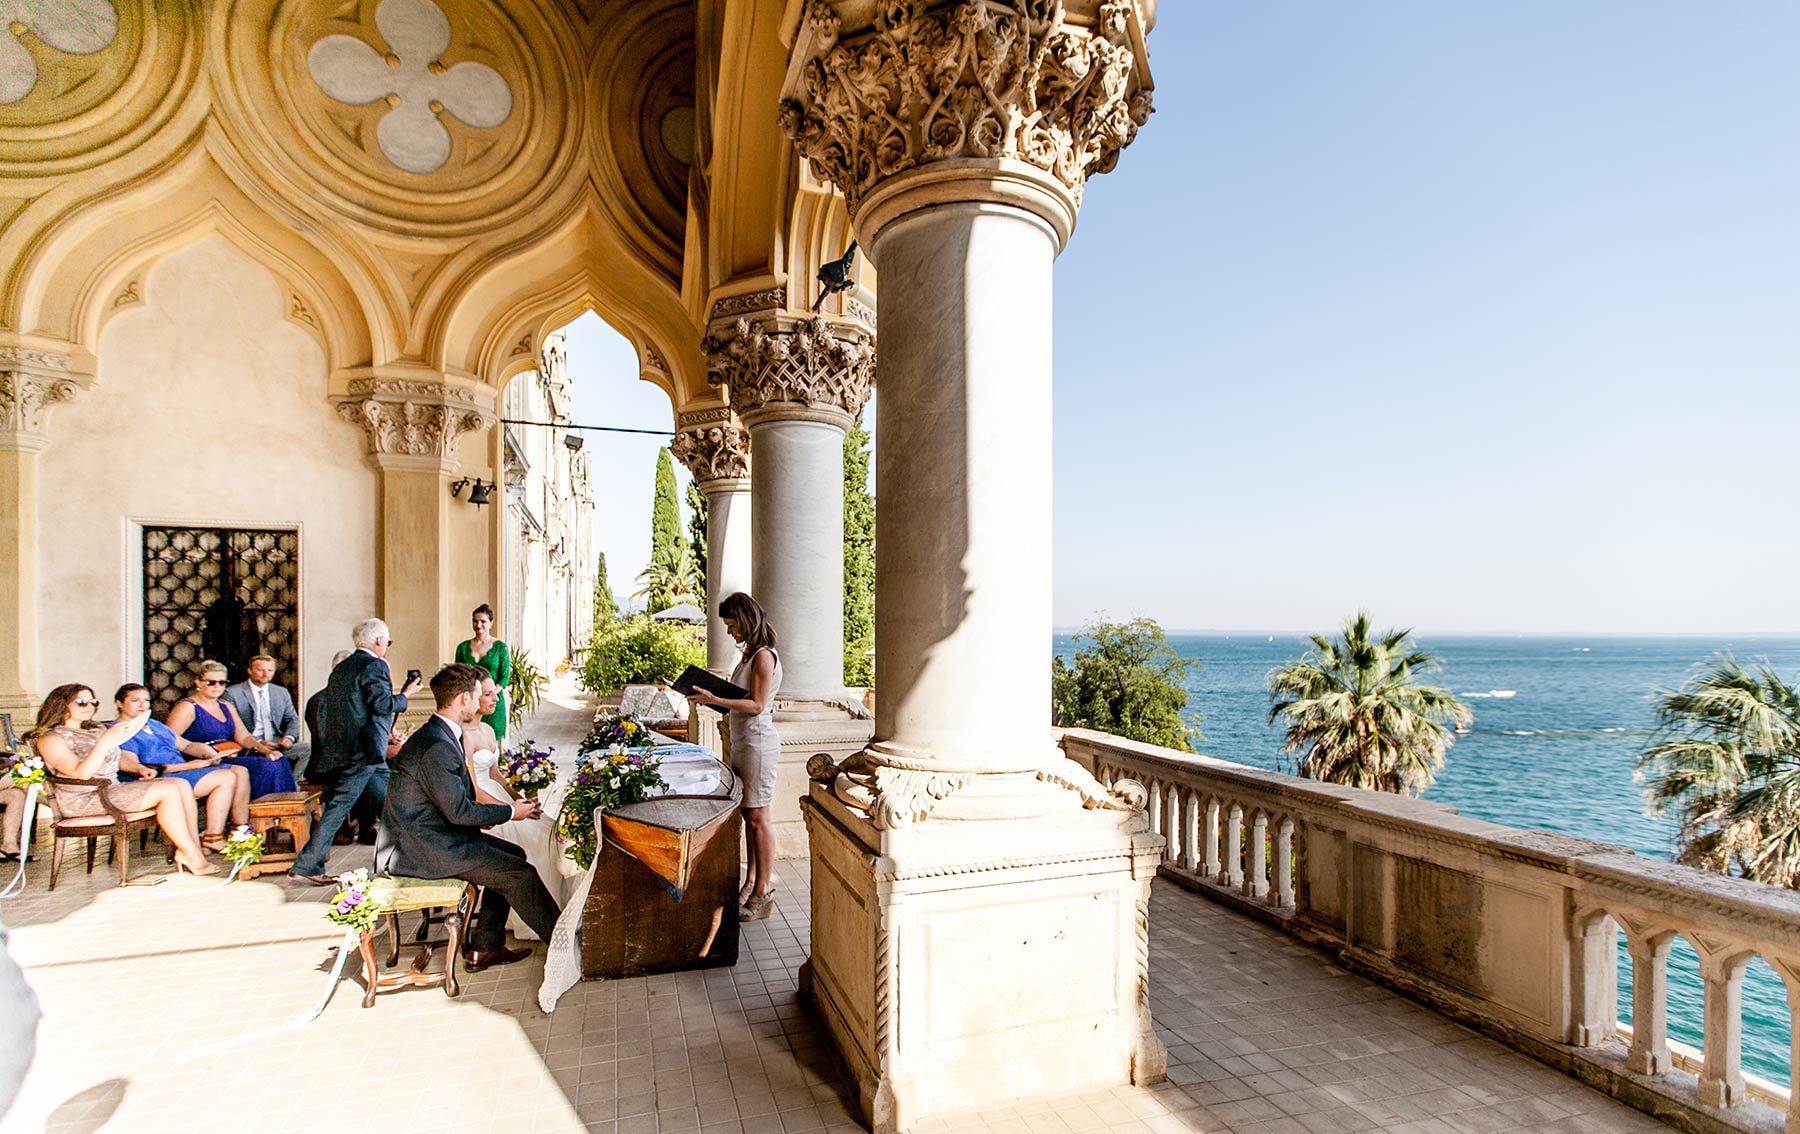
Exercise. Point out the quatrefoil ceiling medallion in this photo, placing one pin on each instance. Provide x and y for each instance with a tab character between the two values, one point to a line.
77	27
414	82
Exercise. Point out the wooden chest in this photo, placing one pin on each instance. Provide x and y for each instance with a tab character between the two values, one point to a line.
664	895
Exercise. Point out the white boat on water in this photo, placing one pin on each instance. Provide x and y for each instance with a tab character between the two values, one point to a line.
1503	693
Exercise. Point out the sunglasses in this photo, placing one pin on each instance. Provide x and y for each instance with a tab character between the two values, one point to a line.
83	703
213	681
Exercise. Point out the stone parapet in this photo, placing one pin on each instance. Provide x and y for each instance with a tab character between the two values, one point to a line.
1514	932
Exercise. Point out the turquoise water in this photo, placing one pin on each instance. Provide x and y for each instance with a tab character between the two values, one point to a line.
1558	755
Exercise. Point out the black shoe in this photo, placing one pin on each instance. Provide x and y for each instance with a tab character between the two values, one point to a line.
478	959
315	879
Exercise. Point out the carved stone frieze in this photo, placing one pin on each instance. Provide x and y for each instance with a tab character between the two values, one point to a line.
713	445
412	419
812	369
772	299
31	382
975	79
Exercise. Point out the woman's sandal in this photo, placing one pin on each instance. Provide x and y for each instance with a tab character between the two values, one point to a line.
744	890
758	907
182	864
213	841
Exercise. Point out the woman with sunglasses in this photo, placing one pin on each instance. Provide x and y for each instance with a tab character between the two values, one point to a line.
72	746
207	718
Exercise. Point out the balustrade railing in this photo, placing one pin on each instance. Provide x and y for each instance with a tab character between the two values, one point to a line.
1512	930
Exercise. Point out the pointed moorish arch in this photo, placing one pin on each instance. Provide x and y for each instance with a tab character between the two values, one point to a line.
90	265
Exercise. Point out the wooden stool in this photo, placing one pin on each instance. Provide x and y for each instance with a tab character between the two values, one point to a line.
290	811
403	895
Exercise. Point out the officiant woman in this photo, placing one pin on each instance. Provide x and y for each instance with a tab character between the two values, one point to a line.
491	654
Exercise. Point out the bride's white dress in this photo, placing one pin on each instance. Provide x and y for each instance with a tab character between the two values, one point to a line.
537	837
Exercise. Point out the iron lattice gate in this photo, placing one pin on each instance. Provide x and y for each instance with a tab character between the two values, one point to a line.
222	594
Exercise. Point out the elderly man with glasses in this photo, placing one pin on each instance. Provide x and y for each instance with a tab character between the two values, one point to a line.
361	702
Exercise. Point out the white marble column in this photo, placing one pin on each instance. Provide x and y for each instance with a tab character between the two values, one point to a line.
715	447
961	134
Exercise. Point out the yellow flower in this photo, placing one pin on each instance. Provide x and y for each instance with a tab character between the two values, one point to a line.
620	758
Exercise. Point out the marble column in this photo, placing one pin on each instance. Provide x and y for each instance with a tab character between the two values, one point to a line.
715	447
961	135
413	426
32	380
798	382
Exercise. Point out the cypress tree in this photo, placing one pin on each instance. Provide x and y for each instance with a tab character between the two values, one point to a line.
665	528
859	560
697	537
606	608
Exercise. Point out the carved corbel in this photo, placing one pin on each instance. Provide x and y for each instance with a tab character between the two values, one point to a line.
406	419
715	447
32	381
808	369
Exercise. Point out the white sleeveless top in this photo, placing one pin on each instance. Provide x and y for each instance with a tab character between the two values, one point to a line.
484	762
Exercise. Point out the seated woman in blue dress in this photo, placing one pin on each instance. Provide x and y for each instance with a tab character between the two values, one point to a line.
155	751
206	718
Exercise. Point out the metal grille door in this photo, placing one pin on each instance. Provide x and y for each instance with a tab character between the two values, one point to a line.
223	594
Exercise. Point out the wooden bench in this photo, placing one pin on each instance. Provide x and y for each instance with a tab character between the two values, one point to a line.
292	812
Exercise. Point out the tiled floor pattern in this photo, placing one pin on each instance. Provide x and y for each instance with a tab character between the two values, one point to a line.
1265	1035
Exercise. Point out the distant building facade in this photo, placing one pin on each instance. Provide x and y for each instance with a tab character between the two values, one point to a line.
549	516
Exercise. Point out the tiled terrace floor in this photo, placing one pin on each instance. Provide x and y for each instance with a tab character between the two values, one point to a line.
1265	1035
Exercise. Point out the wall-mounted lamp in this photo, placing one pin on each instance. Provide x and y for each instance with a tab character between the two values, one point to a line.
572	442
478	490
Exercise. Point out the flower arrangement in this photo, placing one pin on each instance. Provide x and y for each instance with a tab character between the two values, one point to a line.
603	779
28	771
528	767
620	730
351	906
243	847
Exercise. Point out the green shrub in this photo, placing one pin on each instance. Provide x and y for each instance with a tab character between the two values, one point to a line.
640	651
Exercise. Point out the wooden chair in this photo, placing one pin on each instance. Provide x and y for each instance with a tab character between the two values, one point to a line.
114	824
399	895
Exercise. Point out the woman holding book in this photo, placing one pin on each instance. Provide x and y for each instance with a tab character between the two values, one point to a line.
755	747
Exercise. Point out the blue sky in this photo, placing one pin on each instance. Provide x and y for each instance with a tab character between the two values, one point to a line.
1483	316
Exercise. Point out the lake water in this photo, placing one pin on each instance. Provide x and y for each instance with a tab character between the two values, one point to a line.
1558	755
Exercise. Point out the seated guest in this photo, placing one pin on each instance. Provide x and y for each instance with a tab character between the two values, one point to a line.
267	710
206	718
155	751
12	798
71	747
360	705
431	826
536	837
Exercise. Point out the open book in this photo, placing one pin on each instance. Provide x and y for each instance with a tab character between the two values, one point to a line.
693	677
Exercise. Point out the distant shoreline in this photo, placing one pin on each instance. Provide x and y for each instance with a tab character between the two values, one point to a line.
1514	634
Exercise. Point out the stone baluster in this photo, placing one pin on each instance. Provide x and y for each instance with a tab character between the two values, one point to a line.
1722	1070
1649	1054
1256	885
1234	847
1172	836
1155	804
1789	972
715	447
1190	829
1283	897
1596	980
1210	828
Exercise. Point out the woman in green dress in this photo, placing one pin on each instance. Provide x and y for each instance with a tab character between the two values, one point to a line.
491	654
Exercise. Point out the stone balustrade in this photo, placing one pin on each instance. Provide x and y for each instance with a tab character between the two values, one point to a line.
1511	931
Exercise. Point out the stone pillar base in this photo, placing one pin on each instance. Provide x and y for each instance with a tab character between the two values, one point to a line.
961	963
807	728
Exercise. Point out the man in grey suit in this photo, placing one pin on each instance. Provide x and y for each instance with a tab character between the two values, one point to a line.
267	710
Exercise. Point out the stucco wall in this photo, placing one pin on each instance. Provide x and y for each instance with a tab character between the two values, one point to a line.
209	407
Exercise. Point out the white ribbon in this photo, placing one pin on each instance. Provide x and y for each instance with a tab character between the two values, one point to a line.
348	945
17	885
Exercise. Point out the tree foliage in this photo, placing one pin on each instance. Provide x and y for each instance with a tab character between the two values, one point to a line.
696	525
859	560
641	650
1126	680
665	533
606	607
668	579
1357	715
1727	767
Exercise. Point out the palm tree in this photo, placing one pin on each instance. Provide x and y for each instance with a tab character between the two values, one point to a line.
668	579
1356	710
1728	768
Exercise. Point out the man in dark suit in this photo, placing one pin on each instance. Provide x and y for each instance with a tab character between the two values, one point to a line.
431	826
267	710
360	705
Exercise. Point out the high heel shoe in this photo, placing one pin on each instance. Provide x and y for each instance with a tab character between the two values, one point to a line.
758	907
214	842
205	867
745	891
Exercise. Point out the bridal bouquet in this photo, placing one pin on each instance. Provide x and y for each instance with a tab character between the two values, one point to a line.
528	768
603	779
351	906
243	847
622	730
29	770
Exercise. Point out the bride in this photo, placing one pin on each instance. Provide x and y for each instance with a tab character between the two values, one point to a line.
536	837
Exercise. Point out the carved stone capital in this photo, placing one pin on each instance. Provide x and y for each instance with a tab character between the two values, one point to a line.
407	418
31	382
807	370
714	445
1008	86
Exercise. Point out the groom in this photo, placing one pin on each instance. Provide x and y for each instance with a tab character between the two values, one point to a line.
431	825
